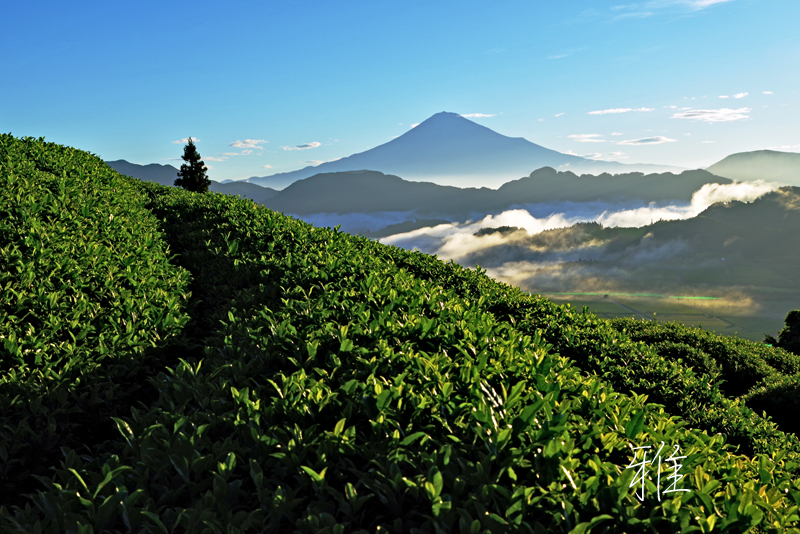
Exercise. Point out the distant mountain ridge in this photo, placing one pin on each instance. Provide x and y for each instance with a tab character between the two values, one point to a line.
769	165
450	148
166	175
372	191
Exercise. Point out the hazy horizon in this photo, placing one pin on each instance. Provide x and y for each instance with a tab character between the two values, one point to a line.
265	89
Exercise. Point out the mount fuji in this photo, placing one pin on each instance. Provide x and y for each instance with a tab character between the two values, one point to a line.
450	149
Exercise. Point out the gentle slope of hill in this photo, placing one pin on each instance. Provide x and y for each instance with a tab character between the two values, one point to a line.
185	362
166	175
769	165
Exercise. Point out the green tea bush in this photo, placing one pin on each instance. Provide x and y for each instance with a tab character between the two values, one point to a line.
86	286
346	386
744	362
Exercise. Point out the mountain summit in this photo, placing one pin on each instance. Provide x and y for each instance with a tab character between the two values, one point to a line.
448	148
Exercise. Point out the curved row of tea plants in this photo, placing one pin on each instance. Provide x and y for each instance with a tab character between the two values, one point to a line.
327	383
689	385
87	287
766	379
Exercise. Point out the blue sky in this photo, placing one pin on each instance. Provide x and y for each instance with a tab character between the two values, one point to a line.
269	87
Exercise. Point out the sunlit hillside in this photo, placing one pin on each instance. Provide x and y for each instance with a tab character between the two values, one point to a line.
185	362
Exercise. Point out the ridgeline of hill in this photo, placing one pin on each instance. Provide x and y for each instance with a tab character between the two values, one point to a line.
182	362
372	191
166	175
769	165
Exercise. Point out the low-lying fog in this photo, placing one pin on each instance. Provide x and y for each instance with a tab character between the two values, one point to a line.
453	241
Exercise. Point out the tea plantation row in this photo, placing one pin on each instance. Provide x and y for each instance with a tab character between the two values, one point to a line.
180	362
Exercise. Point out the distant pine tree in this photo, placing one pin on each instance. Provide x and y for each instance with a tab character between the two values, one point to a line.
192	175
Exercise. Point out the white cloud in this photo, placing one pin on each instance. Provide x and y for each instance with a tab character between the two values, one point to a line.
697	5
616	133
248	143
306	146
617	110
587	138
618	155
740	95
210	158
559	114
706	142
267	167
767	93
185	141
714	115
635	15
594	155
670	107
655	140
724	96
478	115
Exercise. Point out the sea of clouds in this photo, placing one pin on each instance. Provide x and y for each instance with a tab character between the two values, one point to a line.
456	240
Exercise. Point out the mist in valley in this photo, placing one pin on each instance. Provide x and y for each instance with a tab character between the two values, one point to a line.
625	248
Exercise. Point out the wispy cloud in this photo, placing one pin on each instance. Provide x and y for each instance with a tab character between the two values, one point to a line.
714	115
767	93
697	5
641	10
566	53
306	146
587	138
634	15
617	110
478	115
184	141
616	133
559	114
248	143
737	95
266	167
211	158
655	140
313	162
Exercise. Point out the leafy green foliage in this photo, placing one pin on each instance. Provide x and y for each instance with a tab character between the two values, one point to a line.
87	289
328	383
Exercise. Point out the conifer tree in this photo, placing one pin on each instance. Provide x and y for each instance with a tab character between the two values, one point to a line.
192	175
